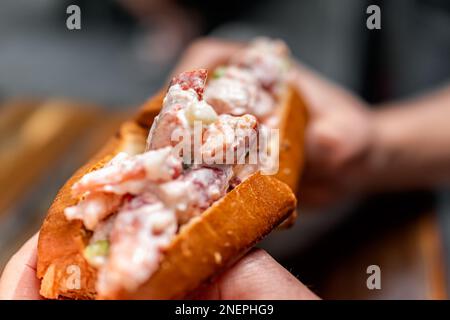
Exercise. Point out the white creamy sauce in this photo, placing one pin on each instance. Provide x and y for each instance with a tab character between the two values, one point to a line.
138	202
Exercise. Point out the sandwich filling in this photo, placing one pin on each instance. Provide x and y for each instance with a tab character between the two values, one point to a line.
135	204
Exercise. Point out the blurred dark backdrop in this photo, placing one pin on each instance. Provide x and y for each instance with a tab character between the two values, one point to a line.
127	47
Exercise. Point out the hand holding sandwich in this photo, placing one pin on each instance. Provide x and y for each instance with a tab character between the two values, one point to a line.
256	276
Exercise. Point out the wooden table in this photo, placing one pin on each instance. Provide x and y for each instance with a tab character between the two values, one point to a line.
42	142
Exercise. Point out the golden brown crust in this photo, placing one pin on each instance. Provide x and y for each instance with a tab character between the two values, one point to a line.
293	119
60	241
226	230
241	218
292	128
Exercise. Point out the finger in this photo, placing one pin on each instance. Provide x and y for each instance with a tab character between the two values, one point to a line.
312	87
257	276
320	95
322	143
207	53
19	279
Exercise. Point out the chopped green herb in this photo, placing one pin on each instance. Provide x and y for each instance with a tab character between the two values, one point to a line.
286	65
219	72
97	249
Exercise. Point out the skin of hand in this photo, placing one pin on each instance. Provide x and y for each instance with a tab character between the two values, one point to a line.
352	149
256	276
18	280
339	140
413	142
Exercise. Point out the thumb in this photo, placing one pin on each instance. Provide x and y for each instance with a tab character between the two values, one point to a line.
324	143
19	281
314	89
257	276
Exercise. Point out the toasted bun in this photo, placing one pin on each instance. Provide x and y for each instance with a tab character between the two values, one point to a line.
293	118
204	246
292	115
223	232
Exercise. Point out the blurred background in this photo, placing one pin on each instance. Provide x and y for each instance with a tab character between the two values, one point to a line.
63	93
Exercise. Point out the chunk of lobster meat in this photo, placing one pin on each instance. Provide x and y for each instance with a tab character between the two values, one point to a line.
142	230
240	74
168	128
130	174
103	230
197	190
194	80
93	208
228	140
241	172
234	96
267	59
182	106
